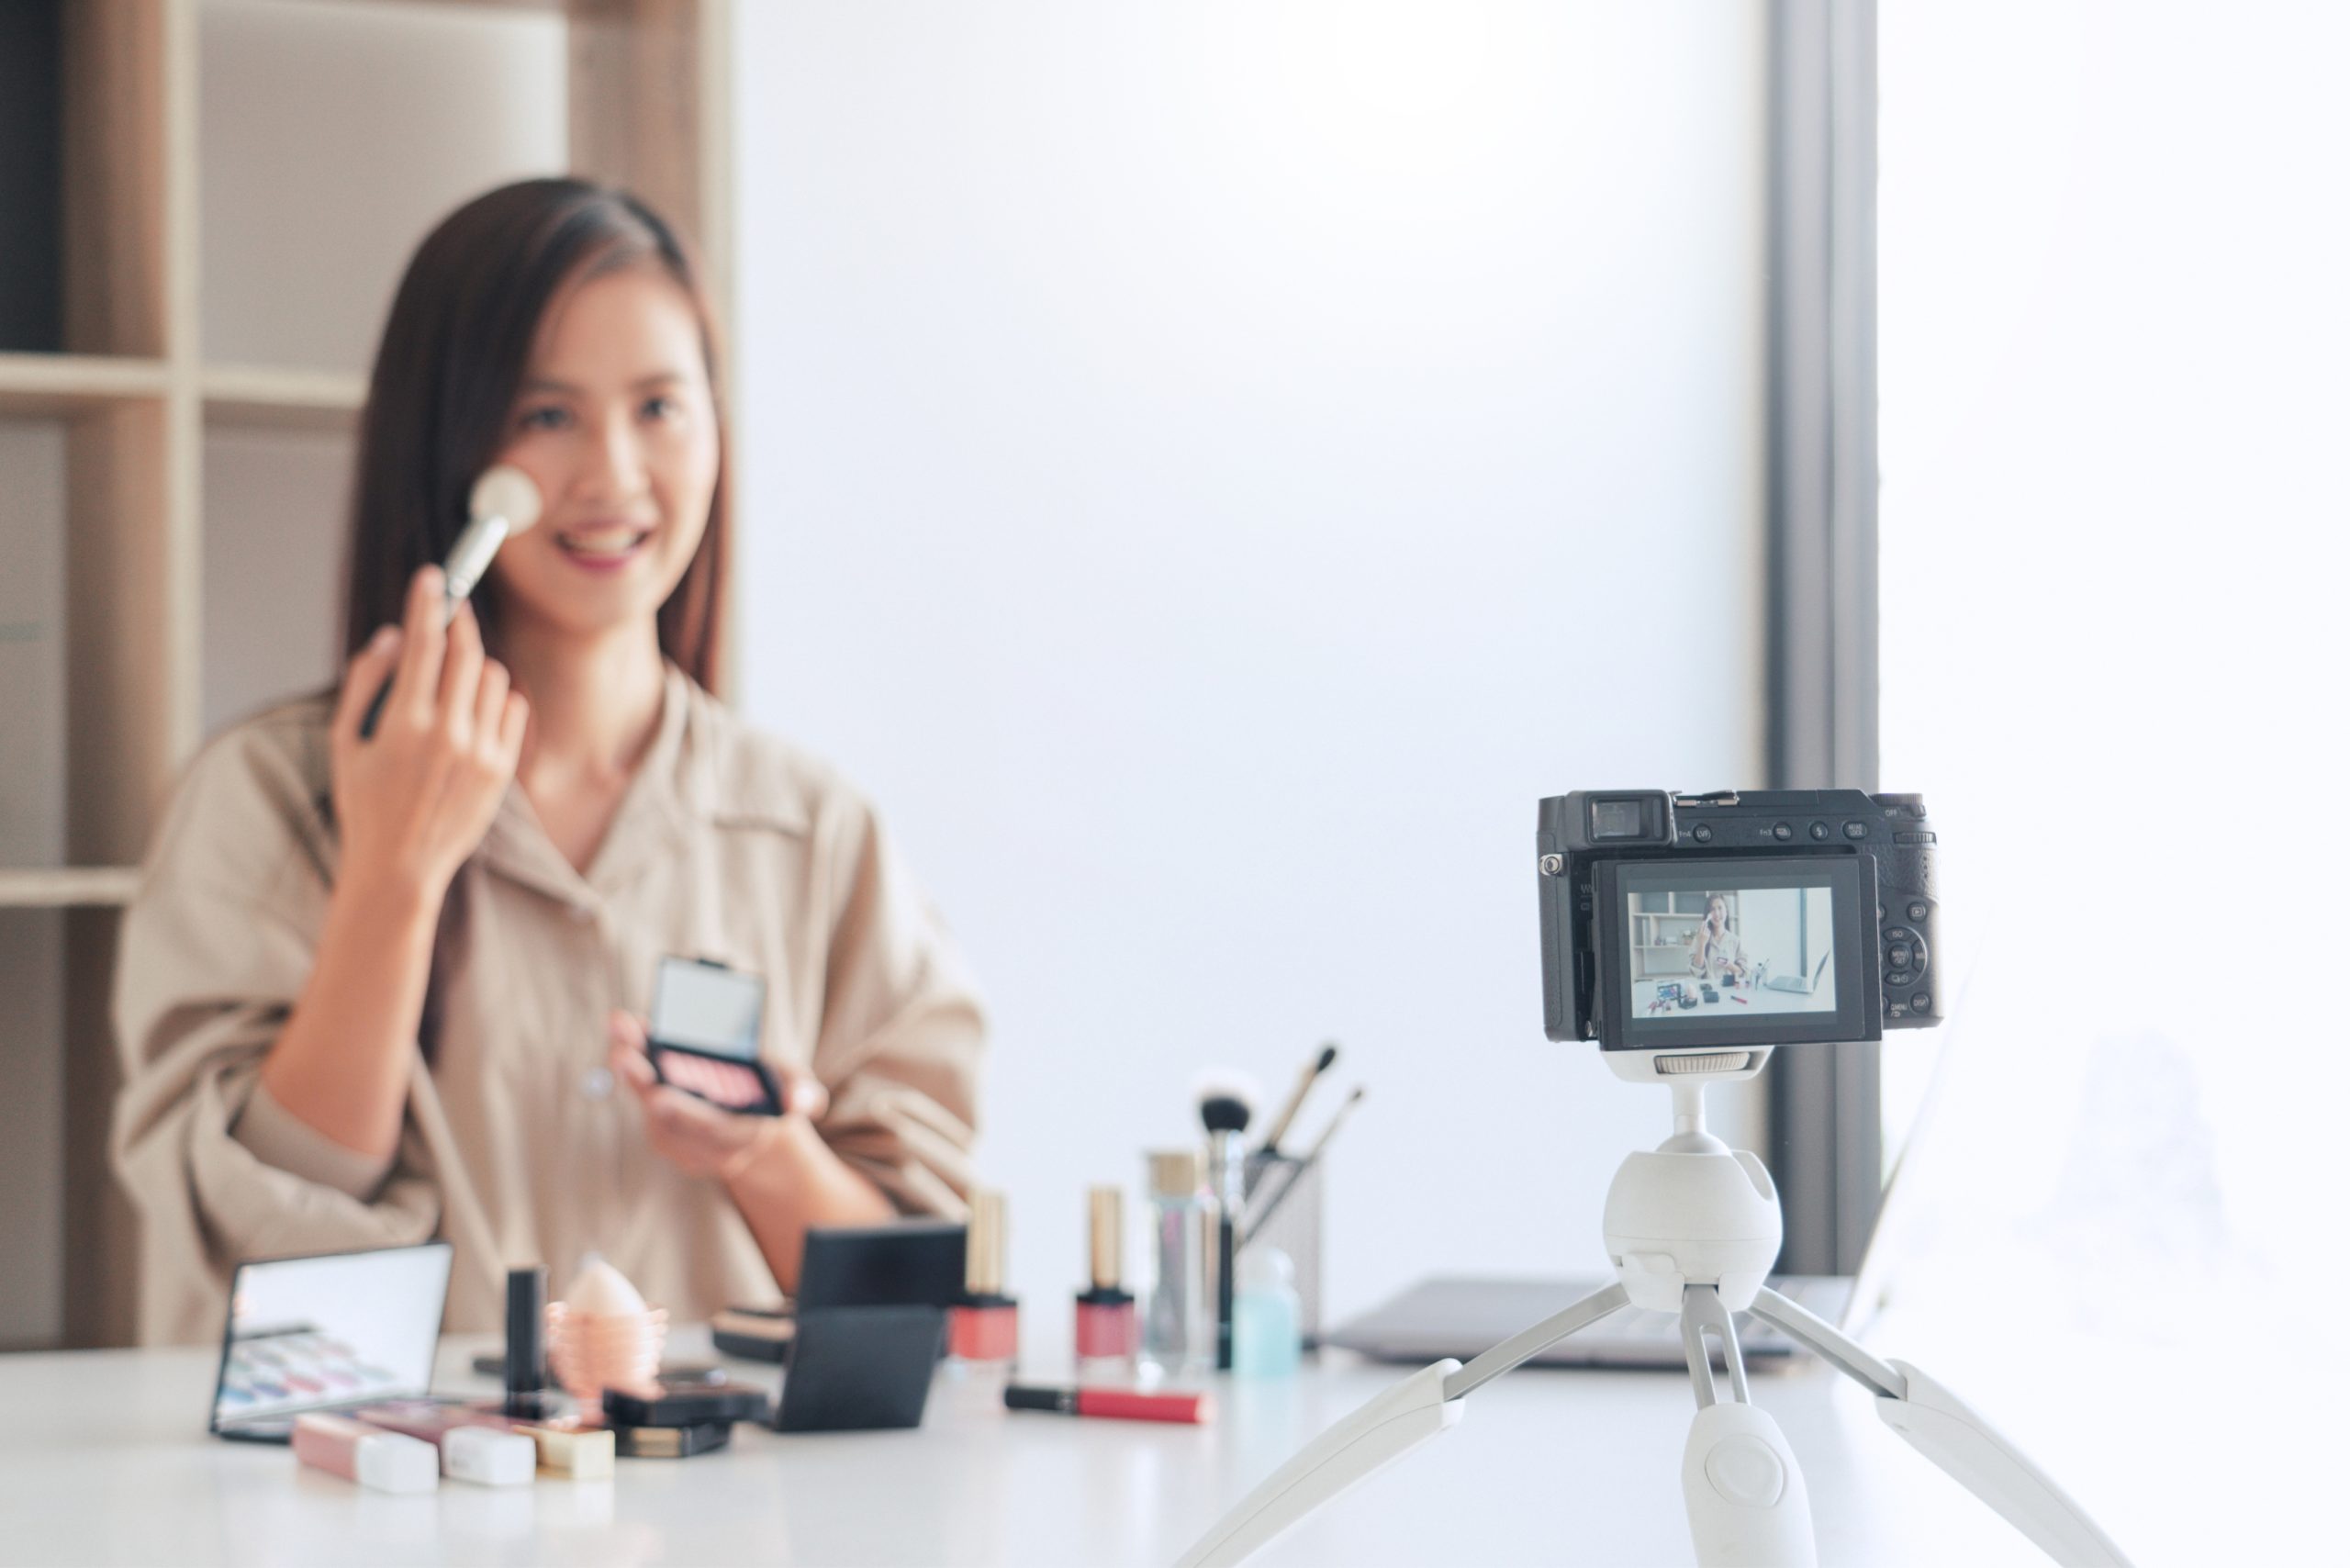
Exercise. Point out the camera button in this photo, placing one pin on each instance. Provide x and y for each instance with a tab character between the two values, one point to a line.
1702	834
1898	956
1818	830
1783	833
1921	1003
1856	830
1918	911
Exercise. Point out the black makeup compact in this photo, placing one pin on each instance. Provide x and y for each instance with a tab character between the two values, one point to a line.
703	1036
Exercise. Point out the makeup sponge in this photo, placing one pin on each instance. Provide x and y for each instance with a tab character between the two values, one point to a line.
598	1287
602	1335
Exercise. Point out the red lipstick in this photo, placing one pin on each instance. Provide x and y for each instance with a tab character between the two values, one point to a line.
1120	1404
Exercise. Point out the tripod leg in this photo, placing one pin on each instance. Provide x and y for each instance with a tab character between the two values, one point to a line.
1426	1405
1518	1348
1747	1506
1702	1308
1939	1425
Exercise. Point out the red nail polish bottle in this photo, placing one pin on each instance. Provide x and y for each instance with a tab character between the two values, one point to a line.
983	1328
1108	1331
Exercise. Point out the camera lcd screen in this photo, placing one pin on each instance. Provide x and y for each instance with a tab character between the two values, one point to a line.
1724	952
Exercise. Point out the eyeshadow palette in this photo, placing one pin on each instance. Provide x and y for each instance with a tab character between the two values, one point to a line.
326	1333
299	1369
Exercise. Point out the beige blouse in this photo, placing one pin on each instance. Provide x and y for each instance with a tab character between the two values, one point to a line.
518	1147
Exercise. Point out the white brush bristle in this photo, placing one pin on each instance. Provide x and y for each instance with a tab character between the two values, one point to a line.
506	491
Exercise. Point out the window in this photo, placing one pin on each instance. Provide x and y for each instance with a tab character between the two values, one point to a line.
2113	410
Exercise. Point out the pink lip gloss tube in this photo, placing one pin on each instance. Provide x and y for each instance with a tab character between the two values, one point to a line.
368	1455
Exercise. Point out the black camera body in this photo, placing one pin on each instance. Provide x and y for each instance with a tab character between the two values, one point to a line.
1753	918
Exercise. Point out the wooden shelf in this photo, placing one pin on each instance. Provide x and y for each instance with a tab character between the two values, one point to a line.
282	400
148	506
55	386
64	887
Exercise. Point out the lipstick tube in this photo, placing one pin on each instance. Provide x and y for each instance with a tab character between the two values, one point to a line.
1108	1332
526	1347
983	1328
1196	1408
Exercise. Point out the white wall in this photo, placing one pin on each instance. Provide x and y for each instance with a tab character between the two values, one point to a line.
1208	472
1771	929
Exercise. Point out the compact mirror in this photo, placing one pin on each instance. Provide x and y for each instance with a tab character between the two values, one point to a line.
705	1006
324	1333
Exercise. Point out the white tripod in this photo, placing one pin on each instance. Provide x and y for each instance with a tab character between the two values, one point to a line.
1693	1228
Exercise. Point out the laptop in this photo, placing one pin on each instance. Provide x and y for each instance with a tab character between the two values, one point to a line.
1464	1317
1798	984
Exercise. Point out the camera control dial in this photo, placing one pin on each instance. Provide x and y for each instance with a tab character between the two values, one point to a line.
1904	956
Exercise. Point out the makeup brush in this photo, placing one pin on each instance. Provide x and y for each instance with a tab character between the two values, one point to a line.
504	503
1225	1102
1314	1069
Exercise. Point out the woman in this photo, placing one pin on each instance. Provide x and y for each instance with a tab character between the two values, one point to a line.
373	990
1715	952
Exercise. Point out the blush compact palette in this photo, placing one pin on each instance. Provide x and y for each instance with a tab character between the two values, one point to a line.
703	1036
744	1086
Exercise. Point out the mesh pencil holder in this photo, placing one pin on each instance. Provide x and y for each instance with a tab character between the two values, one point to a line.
1293	1224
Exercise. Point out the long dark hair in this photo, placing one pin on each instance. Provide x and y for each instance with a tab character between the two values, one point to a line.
447	373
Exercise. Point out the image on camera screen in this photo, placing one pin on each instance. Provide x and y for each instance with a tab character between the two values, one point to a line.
1727	950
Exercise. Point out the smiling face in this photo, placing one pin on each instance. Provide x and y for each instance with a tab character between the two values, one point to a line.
616	424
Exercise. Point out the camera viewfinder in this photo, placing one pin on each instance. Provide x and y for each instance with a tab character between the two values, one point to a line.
1627	818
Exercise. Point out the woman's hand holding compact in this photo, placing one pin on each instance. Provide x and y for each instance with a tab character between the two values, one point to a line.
690	1133
414	798
778	1170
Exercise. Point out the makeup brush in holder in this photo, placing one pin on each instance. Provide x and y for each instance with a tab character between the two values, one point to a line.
601	1336
1226	1101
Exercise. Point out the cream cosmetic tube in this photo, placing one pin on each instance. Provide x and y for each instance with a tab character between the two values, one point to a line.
576	1452
488	1458
368	1455
474	1445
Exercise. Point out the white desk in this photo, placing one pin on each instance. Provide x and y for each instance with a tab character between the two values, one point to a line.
104	1459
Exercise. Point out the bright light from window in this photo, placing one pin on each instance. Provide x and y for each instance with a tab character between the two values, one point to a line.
2113	340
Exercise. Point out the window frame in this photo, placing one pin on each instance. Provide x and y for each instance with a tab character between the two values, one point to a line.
1825	1144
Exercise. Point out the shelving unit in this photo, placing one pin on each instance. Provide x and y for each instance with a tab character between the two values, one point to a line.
187	456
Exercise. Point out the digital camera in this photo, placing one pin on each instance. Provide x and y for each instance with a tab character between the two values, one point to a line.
1763	917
